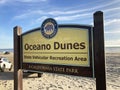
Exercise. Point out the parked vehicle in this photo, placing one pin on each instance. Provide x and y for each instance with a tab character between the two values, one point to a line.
5	64
6	52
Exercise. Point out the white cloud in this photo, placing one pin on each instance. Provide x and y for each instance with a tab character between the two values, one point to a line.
112	21
67	13
112	29
3	1
113	32
24	1
71	17
58	15
112	43
28	14
64	12
27	1
41	19
98	7
111	9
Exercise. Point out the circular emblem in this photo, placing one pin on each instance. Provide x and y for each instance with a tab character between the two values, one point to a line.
49	28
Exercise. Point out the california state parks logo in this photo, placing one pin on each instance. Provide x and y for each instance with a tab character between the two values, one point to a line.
49	28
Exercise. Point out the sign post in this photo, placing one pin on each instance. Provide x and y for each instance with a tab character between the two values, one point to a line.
17	60
99	55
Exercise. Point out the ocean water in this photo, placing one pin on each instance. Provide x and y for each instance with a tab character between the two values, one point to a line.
8	50
107	50
112	50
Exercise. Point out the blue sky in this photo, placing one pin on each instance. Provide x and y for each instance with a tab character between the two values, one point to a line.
30	14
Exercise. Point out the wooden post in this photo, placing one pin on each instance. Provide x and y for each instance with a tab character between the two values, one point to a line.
20	81
39	74
17	33
98	35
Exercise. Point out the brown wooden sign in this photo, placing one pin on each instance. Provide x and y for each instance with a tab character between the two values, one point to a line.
64	49
68	52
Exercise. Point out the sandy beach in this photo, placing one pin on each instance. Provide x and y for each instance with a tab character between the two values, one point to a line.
63	82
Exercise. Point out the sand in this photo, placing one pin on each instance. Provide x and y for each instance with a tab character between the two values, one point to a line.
50	81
